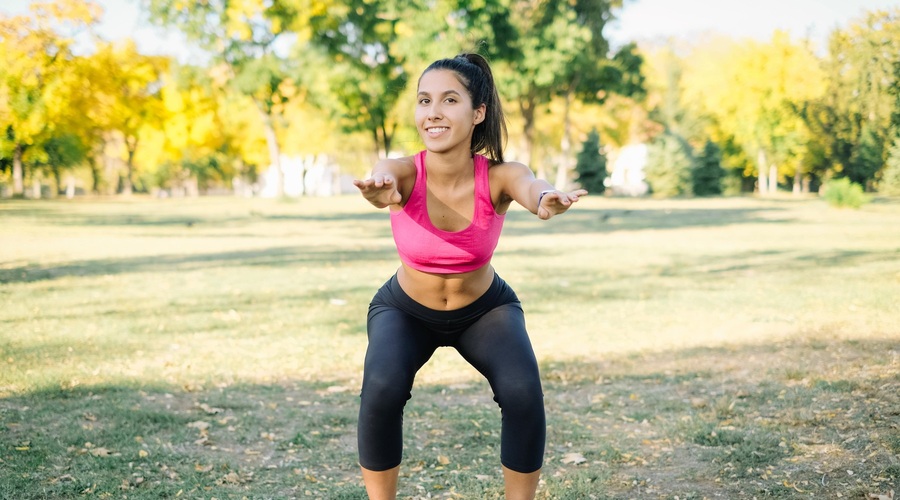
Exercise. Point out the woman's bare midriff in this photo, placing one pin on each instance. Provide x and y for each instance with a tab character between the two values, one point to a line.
445	292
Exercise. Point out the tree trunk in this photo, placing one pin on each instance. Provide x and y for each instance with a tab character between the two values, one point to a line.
36	186
773	179
70	186
762	185
562	170
798	181
127	181
526	106
18	172
379	154
95	175
274	148
57	178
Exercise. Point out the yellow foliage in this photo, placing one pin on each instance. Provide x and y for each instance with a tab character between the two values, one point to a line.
750	88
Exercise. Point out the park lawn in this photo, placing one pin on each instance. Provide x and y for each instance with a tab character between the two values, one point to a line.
212	348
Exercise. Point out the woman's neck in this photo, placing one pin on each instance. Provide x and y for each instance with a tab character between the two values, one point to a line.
450	166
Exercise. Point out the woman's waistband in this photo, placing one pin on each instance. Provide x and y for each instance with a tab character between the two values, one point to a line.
392	294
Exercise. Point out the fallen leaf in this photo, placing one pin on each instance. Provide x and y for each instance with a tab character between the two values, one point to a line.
573	458
143	453
443	460
210	410
199	424
230	478
876	496
787	484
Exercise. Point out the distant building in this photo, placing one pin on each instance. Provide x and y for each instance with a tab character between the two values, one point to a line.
311	175
626	177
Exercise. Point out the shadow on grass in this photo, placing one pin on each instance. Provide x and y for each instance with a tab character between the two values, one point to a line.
740	421
147	213
269	257
592	220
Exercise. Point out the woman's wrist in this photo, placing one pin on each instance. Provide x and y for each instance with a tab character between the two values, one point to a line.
541	196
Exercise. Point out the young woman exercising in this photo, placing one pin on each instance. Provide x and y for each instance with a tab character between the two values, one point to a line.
447	205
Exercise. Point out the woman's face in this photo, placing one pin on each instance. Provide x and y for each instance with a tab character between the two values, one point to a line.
445	117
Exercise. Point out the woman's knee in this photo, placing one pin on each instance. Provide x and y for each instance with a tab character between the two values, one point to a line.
385	390
520	395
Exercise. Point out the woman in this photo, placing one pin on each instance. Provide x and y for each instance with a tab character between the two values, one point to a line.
447	206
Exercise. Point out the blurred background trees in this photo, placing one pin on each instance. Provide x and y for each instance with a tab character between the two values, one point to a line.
333	82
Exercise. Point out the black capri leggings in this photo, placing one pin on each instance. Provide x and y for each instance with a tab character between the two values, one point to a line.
489	333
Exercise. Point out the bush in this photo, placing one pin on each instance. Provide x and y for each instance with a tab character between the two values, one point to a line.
842	193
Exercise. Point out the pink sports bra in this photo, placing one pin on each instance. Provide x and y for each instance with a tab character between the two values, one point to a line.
428	249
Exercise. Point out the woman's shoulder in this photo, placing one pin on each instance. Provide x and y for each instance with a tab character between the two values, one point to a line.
402	166
509	169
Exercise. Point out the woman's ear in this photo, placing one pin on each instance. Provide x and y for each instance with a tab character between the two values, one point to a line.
480	113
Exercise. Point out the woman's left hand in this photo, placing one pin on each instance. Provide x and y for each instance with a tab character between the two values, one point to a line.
557	202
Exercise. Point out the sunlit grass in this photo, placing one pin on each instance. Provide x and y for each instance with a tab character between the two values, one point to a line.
721	343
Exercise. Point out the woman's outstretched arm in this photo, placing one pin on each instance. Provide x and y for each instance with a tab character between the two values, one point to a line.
536	195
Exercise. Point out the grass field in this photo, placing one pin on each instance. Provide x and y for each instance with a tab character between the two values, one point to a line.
212	348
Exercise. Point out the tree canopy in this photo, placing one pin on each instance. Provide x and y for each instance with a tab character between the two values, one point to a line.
321	78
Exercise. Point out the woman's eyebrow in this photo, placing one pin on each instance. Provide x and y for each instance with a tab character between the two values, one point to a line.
446	92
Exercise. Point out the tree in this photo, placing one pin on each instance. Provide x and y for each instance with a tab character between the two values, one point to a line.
129	86
860	108
367	72
591	164
244	36
670	162
35	56
889	184
752	90
192	145
558	50
707	173
592	75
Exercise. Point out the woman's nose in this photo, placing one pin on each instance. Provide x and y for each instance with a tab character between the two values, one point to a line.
434	111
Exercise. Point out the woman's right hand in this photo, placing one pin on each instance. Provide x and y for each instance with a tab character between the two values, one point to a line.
380	190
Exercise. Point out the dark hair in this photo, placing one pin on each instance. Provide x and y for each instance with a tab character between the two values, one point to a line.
474	72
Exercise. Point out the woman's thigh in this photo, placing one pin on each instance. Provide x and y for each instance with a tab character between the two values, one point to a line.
497	345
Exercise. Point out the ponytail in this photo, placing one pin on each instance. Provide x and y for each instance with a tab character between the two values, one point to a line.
474	72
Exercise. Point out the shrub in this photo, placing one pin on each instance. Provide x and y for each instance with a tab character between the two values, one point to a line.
842	193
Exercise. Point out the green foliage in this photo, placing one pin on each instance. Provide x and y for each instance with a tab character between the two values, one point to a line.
866	158
707	174
64	151
591	164
861	101
843	193
670	162
890	178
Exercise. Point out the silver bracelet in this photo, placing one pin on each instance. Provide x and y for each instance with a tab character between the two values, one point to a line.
541	196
